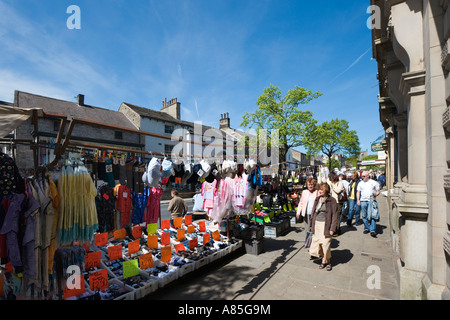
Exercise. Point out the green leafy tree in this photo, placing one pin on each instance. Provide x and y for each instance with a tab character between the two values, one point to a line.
276	112
332	137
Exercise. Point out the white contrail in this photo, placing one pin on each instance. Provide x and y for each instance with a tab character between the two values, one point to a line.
196	108
350	66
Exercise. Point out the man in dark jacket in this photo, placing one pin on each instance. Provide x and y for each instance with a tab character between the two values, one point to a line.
353	207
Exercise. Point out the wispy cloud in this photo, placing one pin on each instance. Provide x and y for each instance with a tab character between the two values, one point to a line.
351	65
45	58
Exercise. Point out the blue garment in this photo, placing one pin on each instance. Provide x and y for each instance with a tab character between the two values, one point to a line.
354	209
369	224
139	203
255	178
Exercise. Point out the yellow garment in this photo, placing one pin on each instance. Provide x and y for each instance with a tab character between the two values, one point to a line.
78	214
352	192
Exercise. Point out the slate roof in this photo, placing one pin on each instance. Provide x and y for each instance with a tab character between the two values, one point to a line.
158	115
52	105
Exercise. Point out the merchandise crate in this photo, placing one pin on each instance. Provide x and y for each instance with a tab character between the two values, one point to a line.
150	287
250	233
273	230
130	295
201	262
254	247
214	256
293	220
185	269
169	277
226	250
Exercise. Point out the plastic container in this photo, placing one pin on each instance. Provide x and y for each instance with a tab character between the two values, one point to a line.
254	247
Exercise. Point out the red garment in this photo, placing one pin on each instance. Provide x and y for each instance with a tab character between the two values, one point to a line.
3	248
123	203
153	212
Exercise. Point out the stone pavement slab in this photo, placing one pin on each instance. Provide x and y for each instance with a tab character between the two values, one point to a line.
363	269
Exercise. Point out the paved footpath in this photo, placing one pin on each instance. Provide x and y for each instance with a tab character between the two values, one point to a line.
363	269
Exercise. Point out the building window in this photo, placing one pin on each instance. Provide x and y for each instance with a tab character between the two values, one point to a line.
55	125
118	135
168	129
168	148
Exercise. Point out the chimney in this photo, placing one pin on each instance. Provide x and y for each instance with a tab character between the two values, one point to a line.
224	120
80	99
172	107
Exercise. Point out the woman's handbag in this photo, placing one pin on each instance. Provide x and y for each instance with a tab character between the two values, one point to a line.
308	239
342	197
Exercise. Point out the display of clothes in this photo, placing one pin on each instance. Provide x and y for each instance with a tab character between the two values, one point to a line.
78	212
41	218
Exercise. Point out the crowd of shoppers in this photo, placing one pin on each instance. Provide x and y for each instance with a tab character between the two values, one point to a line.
340	199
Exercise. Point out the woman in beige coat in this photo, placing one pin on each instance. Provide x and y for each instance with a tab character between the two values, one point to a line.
323	225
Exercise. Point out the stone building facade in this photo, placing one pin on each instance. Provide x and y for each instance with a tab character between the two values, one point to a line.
410	47
48	128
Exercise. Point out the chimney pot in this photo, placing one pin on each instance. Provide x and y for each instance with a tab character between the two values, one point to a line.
80	99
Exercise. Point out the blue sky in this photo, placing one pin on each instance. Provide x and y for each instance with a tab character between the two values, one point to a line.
214	56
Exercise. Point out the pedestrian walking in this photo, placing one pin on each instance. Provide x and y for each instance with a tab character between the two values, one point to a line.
382	180
367	189
344	213
323	225
353	207
177	206
337	188
307	201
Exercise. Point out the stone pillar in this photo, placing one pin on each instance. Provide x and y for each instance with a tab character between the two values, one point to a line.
400	121
413	205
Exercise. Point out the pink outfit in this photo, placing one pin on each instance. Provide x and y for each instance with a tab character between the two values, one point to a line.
209	191
153	206
222	199
304	201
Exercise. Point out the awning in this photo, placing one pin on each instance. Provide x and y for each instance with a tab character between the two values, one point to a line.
11	118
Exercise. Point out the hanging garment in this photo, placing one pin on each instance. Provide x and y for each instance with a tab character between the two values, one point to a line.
139	203
153	206
105	203
122	172
109	173
78	214
123	203
10	180
115	168
129	172
19	227
154	173
53	194
240	190
208	193
167	168
42	244
255	178
138	171
188	171
222	199
4	205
